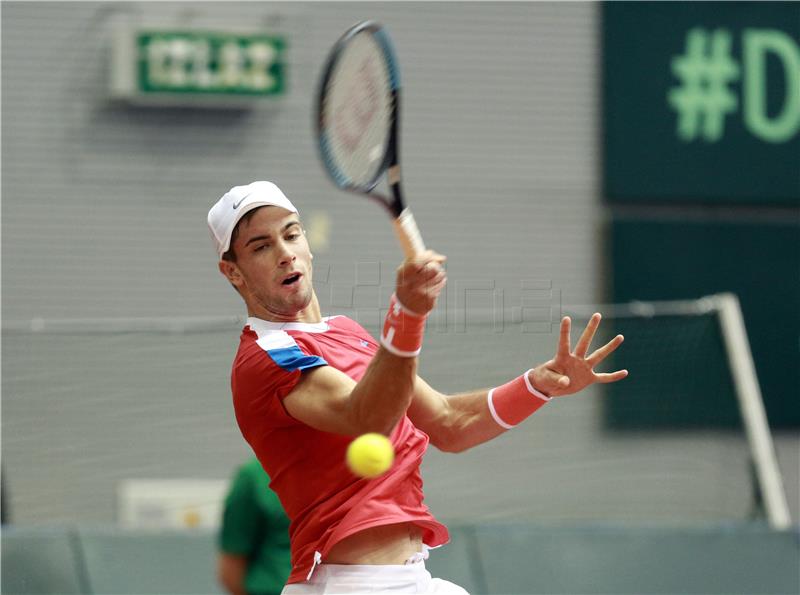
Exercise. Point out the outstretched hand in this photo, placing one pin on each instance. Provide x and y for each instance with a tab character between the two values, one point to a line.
571	371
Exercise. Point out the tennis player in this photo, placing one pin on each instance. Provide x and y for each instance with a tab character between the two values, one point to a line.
304	385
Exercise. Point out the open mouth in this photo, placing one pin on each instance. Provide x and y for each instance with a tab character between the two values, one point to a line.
291	279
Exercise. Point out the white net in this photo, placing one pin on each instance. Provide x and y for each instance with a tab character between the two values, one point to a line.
88	404
568	462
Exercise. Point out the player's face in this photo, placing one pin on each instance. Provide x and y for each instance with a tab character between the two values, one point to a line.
274	262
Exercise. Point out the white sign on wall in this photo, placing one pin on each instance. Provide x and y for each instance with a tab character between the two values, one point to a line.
171	503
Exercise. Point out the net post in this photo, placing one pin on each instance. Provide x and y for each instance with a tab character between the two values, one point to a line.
751	405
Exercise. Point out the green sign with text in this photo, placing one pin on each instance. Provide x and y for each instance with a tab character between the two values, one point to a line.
702	102
210	64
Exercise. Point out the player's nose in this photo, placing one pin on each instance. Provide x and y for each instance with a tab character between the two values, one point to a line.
285	254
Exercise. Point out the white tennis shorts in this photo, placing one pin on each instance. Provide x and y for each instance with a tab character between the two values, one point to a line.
356	578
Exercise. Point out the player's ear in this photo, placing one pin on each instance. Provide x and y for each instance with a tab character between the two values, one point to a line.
231	272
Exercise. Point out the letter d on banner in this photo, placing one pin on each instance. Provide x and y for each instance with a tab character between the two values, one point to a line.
784	125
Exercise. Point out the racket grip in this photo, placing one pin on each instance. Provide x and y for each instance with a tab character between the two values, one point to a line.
405	226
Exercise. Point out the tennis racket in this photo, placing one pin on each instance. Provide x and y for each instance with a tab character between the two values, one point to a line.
357	123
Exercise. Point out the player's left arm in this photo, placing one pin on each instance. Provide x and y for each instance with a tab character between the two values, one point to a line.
461	421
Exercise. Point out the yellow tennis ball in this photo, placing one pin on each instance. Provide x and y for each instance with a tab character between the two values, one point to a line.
370	455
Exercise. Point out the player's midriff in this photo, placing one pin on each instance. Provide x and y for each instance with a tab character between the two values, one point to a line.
386	544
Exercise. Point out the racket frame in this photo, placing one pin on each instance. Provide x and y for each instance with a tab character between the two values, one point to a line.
404	223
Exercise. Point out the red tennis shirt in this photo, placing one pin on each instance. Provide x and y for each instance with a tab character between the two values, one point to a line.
323	499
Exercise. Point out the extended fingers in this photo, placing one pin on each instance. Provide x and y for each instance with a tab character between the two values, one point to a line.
603	352
563	339
605	378
588	334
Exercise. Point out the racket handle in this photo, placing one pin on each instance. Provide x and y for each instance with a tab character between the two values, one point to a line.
405	226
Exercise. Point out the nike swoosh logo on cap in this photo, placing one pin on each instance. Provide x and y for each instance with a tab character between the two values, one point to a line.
241	200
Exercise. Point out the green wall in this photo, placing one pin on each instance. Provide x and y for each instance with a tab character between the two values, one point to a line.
701	104
760	262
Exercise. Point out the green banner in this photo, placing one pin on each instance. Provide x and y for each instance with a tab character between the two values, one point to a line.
210	63
702	102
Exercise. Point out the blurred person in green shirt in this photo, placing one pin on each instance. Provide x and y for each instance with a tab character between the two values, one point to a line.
254	557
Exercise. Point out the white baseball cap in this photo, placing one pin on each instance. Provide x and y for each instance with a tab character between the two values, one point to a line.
235	203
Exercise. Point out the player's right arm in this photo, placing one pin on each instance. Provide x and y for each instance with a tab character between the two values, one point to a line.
329	400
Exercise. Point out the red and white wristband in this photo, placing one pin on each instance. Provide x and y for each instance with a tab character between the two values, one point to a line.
513	401
402	330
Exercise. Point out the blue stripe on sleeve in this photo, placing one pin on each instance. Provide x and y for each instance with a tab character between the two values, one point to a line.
292	358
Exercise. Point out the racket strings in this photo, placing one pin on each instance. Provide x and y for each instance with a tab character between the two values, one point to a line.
357	111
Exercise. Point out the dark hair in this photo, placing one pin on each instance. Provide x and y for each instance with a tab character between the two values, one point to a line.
230	255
